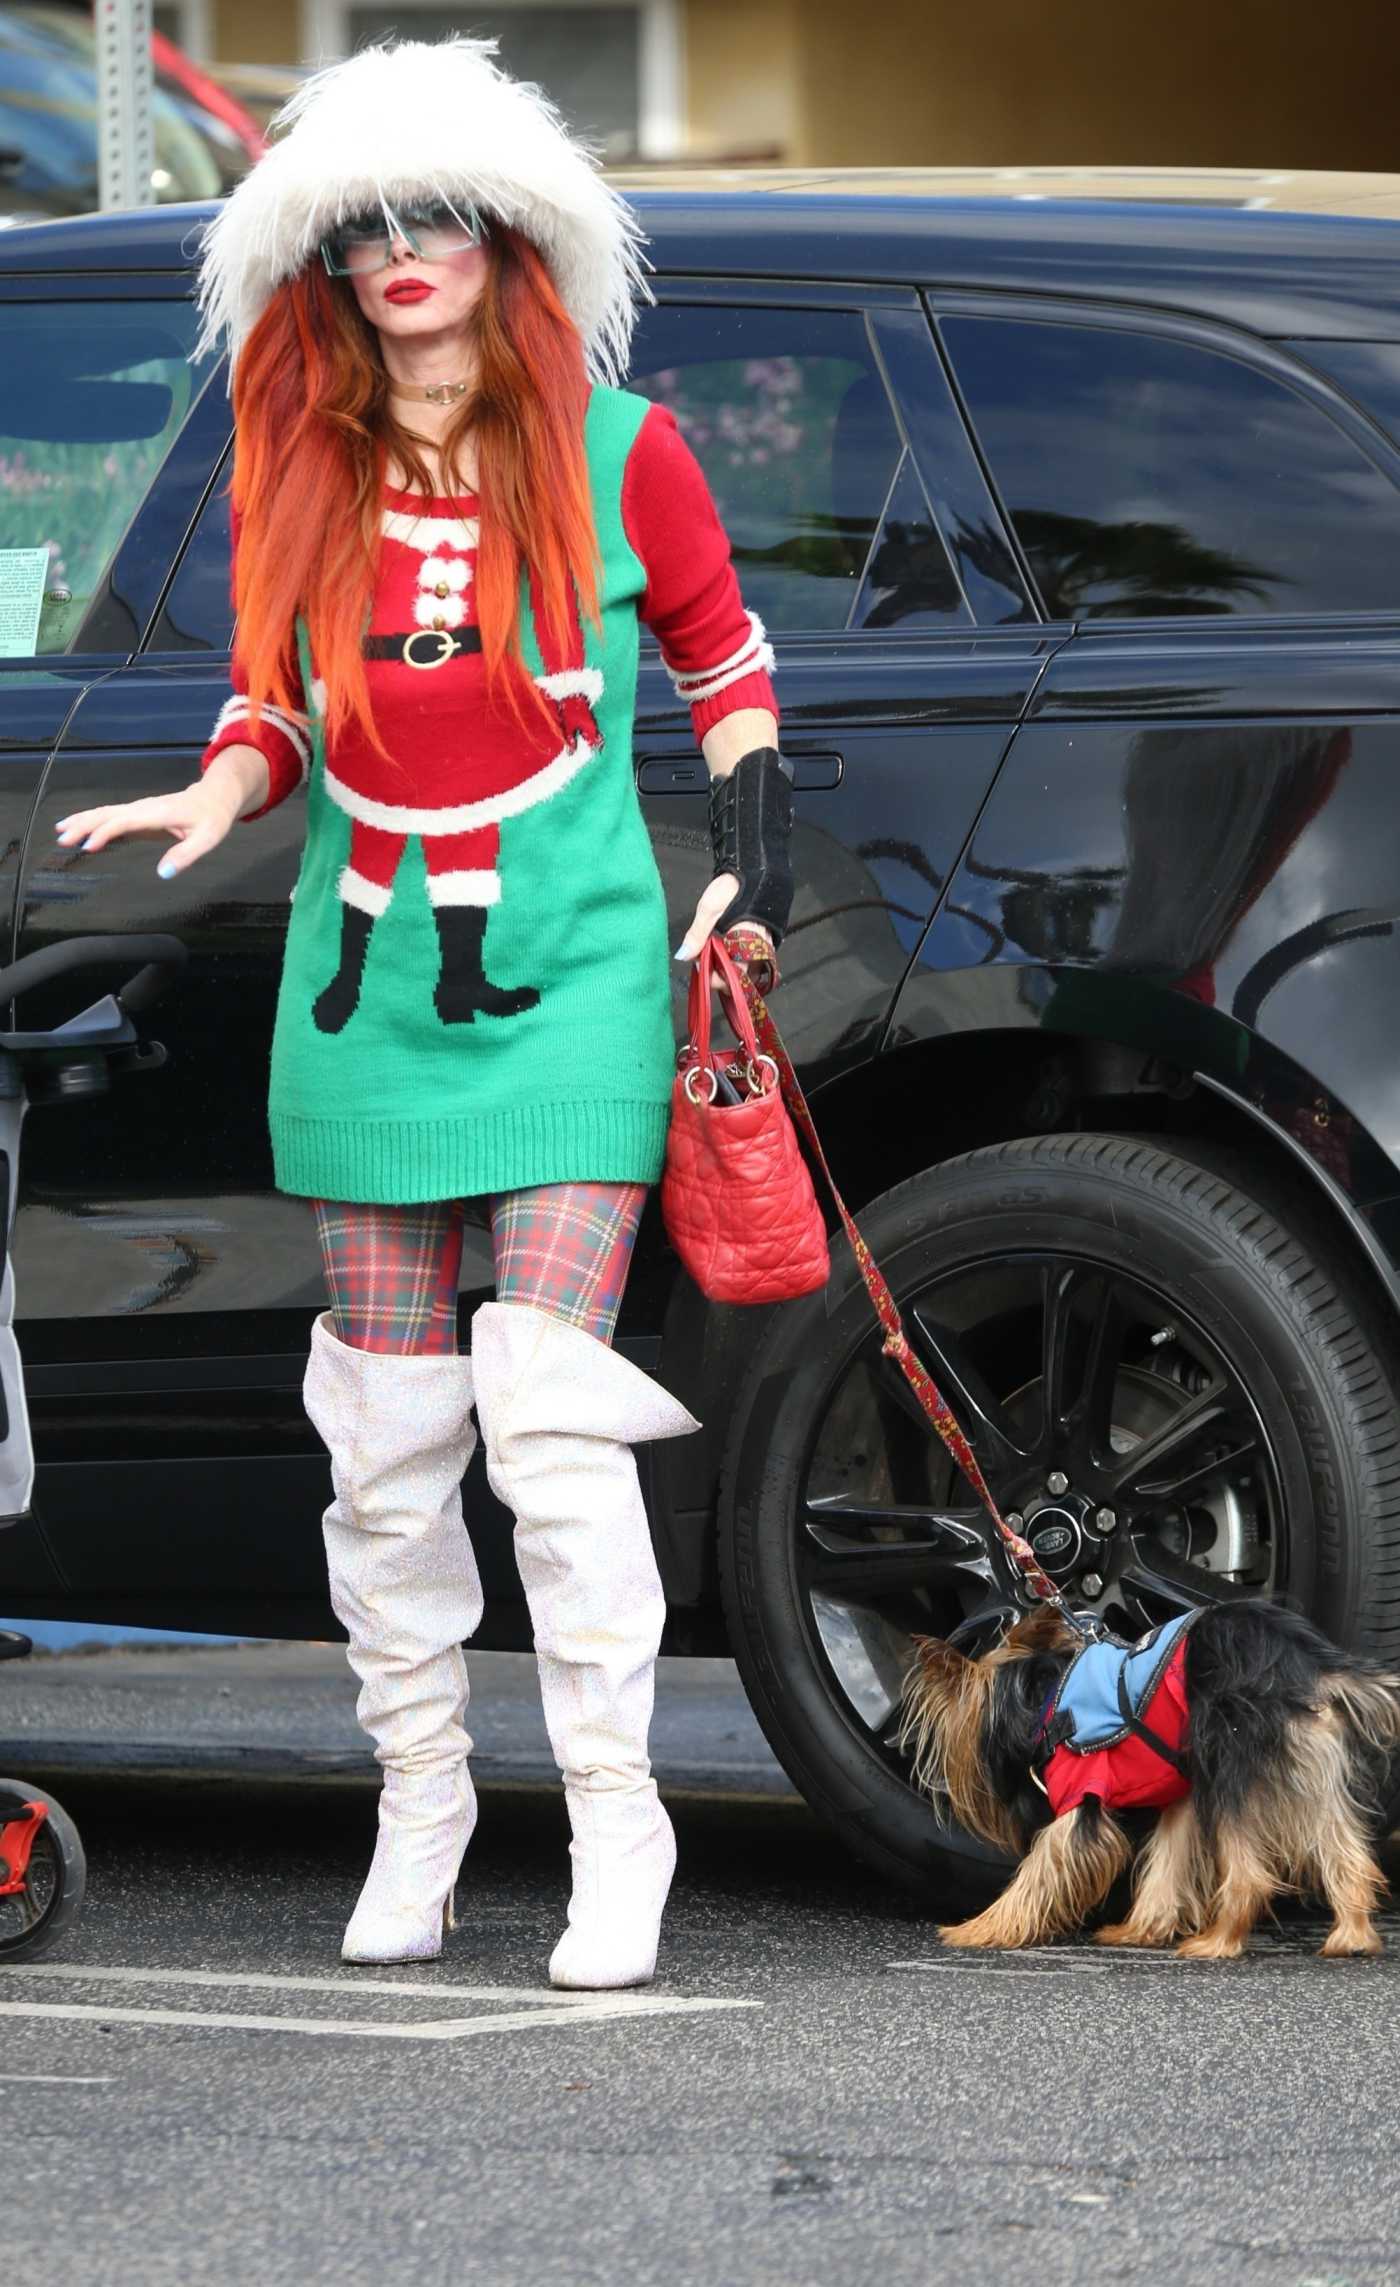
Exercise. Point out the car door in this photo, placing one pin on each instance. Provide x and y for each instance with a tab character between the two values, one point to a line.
163	1285
906	644
1191	844
98	404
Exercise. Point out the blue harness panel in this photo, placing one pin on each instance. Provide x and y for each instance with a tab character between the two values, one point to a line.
1088	1697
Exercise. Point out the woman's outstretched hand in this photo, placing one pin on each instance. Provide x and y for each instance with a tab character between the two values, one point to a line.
196	819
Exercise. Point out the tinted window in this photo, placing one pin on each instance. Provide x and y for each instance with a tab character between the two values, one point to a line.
1150	476
197	614
92	395
1369	372
788	416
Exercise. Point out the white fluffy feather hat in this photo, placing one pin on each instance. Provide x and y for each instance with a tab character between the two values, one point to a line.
417	117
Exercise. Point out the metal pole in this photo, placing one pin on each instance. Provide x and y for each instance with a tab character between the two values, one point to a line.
125	137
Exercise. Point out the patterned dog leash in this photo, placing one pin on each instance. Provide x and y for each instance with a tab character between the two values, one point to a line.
748	947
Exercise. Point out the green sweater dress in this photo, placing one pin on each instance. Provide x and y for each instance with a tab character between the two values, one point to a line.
537	837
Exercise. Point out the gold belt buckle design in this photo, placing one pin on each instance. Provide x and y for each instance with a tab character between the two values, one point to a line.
439	635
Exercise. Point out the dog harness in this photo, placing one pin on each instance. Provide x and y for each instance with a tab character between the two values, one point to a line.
1116	1725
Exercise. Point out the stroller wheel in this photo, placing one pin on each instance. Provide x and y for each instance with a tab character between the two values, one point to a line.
47	1855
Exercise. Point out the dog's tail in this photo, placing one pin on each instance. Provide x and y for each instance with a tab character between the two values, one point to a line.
1368	1701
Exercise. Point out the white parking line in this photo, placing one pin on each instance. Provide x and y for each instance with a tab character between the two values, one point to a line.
965	1968
446	2029
1054	1961
64	2080
546	2006
1138	1956
101	1973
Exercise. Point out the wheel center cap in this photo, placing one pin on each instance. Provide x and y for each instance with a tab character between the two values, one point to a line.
1057	1537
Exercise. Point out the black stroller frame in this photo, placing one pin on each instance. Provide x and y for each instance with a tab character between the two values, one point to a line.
42	1869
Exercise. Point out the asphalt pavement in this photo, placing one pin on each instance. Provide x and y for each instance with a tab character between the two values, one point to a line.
198	2090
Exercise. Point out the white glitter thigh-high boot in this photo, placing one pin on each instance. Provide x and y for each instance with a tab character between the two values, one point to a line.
404	1586
560	1412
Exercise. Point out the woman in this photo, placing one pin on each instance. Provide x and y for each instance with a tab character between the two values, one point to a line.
447	527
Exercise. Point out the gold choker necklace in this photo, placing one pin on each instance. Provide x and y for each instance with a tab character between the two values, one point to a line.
435	393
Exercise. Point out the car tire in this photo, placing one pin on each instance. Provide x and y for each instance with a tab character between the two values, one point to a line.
1304	1341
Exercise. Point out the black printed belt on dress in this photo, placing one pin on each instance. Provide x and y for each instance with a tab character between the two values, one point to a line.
426	647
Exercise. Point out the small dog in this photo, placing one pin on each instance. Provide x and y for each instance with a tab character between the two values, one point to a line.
1269	1748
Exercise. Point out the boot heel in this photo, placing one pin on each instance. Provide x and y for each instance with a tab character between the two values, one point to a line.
624	1857
417	1857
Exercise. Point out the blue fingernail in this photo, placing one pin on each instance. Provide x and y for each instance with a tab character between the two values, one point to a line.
165	869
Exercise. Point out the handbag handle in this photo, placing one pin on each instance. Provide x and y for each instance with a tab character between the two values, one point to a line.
750	946
713	955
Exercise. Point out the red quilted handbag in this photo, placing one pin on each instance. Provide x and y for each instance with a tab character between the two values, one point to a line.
736	1195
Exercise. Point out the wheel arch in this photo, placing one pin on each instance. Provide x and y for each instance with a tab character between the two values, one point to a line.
1030	1051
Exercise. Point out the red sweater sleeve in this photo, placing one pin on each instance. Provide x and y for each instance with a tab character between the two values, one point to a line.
716	653
283	740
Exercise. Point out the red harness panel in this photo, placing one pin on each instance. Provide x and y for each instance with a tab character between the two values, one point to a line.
1130	1775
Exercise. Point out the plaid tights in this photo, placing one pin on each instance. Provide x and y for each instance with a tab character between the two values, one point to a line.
393	1272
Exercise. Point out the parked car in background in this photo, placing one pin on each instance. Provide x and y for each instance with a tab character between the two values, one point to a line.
208	94
259	90
48	122
1076	526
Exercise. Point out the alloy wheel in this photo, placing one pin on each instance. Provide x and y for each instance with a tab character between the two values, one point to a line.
1112	1430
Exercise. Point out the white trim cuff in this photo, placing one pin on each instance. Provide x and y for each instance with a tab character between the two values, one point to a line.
238	709
753	654
368	896
472	885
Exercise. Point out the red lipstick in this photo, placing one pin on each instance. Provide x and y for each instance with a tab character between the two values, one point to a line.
409	290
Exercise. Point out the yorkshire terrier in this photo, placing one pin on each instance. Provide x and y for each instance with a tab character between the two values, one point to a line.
1266	1749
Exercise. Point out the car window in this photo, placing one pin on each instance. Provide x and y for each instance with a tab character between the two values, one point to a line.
1369	372
1147	476
92	395
197	614
788	416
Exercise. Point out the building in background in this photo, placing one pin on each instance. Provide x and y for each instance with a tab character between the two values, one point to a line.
1256	83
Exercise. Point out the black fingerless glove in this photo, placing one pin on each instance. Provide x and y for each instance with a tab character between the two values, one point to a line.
750	827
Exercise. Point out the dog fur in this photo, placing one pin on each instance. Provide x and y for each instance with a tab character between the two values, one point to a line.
1291	1745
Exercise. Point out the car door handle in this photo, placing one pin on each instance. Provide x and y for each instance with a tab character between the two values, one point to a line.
686	774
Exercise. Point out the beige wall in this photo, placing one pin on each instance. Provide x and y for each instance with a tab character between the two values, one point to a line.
741	81
1287	83
257	31
1205	82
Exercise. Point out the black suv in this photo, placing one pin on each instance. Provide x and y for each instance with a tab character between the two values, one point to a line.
1077	529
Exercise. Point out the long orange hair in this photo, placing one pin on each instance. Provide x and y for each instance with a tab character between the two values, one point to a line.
313	427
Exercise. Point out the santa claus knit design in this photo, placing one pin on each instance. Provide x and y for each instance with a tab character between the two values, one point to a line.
537	832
